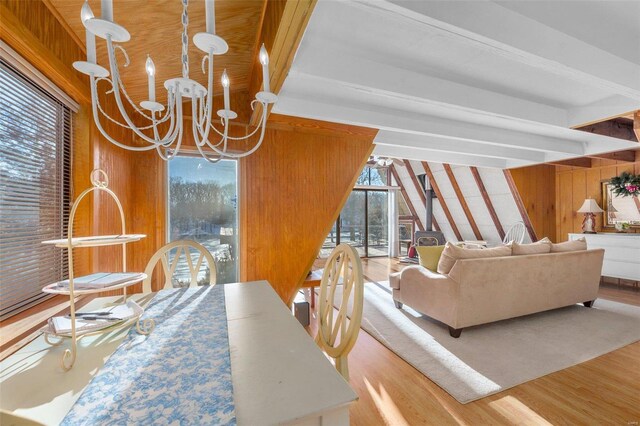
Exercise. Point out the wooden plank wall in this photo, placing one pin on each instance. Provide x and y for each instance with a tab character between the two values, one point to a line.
536	185
291	191
552	194
573	185
33	31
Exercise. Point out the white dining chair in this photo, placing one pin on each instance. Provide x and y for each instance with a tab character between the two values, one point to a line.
169	257
337	333
515	234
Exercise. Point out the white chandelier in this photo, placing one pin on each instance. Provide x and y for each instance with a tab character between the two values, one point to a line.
168	144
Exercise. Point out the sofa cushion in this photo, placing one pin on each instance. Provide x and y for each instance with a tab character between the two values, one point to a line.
539	247
576	245
452	253
429	256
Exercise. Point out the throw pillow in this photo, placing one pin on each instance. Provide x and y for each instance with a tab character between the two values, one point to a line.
576	245
539	247
429	256
451	254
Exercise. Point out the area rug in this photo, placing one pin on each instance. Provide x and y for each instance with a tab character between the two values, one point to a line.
490	358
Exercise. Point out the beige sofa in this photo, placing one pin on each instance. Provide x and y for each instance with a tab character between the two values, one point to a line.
479	291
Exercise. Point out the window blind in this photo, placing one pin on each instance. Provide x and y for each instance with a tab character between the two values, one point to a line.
35	176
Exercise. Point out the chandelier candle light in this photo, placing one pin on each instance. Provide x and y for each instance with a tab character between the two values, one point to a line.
202	126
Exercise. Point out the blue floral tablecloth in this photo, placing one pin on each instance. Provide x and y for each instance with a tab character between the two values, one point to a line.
180	374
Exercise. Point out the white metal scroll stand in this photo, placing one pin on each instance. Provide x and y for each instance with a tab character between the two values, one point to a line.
142	327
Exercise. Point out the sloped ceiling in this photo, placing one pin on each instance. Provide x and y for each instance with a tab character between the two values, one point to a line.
475	83
156	29
498	192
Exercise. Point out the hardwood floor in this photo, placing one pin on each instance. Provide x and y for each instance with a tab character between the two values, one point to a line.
605	390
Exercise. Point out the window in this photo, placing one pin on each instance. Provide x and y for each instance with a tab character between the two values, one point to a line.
203	207
374	176
364	220
35	176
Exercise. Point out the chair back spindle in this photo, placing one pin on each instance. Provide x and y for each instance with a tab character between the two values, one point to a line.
180	249
515	234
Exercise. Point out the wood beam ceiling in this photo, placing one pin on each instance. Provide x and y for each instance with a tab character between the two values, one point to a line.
412	209
521	208
283	24
620	128
584	162
419	190
628	156
463	202
297	124
487	201
636	124
443	203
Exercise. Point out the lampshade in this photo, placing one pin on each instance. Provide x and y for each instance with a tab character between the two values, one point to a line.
590	206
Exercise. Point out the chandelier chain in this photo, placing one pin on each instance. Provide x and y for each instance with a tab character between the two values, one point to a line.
185	39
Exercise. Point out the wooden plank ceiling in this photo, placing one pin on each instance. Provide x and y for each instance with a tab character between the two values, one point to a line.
156	27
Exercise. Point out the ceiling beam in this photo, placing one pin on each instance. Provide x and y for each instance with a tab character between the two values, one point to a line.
487	201
508	34
65	25
601	110
419	189
443	203
463	202
613	128
636	124
406	197
283	24
352	69
583	162
440	157
438	143
297	124
346	111
628	156
414	179
521	208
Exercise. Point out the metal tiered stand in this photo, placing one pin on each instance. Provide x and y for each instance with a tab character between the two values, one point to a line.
55	338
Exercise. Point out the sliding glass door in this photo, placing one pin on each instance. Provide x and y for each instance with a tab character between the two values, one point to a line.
363	224
352	222
377	223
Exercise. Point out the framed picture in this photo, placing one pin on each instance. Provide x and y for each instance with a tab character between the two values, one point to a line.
618	208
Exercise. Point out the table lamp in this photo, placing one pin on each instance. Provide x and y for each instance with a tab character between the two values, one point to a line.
590	207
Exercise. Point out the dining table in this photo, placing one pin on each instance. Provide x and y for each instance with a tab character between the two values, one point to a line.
275	372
